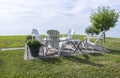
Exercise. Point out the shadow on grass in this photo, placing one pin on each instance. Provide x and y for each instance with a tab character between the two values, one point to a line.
1	62
80	60
116	52
96	54
51	60
86	56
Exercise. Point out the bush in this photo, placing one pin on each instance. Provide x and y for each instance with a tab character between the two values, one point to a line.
29	37
34	45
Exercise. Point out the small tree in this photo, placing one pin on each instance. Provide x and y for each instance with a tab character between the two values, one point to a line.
88	30
91	30
104	19
95	30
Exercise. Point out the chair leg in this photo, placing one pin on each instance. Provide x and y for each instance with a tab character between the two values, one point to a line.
43	50
59	49
46	51
86	46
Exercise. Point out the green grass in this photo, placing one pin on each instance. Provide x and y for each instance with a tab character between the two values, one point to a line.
92	65
11	41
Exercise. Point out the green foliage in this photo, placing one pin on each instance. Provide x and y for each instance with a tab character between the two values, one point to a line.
33	43
91	30
88	30
28	37
104	18
95	30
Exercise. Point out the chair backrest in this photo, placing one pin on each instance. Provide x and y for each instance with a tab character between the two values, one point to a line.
100	36
37	36
53	38
71	32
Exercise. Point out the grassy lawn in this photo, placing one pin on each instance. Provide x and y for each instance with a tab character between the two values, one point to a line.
92	65
11	41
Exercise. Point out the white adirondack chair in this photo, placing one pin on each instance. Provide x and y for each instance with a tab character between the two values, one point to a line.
53	40
37	36
88	44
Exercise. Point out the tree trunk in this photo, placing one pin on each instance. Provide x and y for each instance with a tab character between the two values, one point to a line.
104	37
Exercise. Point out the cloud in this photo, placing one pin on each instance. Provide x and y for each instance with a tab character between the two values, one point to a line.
45	14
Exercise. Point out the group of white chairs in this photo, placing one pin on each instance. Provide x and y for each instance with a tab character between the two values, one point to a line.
53	40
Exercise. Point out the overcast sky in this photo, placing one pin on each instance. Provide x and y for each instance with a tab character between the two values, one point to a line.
18	17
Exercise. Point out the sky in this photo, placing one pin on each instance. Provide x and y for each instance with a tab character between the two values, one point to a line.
19	17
